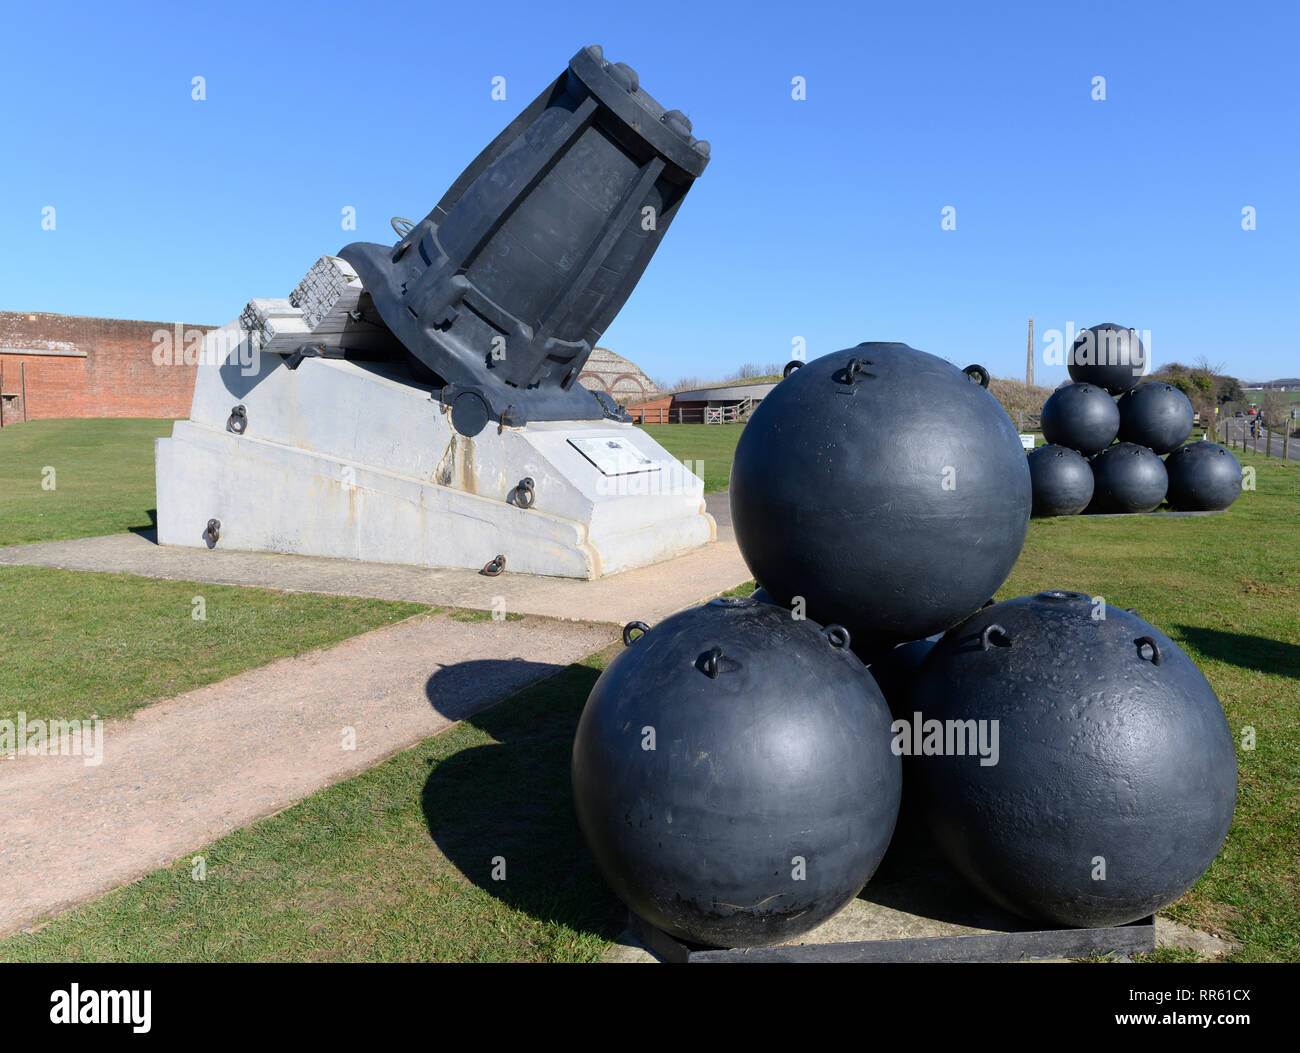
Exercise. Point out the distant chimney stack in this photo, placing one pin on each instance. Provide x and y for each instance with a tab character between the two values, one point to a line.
1029	356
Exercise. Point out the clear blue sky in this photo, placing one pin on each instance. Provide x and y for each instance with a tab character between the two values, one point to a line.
817	218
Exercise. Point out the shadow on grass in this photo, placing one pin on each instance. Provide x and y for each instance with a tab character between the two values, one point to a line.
511	800
1249	652
150	532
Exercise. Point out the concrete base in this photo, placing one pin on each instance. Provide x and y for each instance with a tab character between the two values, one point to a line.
355	460
1167	513
916	908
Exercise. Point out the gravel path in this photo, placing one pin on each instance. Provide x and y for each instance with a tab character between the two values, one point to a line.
648	594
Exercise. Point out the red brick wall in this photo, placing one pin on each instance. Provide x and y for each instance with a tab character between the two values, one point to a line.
655	411
118	376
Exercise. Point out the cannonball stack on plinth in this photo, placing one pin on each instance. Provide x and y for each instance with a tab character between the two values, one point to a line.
1106	432
737	771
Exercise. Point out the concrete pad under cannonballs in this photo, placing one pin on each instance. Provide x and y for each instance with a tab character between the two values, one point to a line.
915	908
1167	513
356	460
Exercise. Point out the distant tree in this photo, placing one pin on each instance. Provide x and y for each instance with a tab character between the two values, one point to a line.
1203	384
1230	390
1273	411
1204	365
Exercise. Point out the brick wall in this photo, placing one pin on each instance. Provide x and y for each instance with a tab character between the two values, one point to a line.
96	367
655	411
616	376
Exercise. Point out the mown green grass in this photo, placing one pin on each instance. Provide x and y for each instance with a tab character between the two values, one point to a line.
75	644
103	476
710	446
395	864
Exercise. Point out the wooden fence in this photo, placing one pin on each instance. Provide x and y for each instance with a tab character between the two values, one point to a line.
1241	433
688	414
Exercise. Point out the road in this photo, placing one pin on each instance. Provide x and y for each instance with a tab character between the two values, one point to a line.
1235	427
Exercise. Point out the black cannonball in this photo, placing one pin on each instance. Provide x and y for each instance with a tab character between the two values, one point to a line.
1062	481
1157	416
1203	477
1115	772
733	774
1128	478
883	485
1108	355
1080	417
893	669
890	664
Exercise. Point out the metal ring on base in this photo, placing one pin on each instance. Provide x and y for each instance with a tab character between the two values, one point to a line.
525	493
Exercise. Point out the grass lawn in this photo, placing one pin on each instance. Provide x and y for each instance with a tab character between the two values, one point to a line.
396	863
712	444
103	478
76	643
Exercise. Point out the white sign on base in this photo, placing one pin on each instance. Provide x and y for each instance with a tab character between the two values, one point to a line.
614	455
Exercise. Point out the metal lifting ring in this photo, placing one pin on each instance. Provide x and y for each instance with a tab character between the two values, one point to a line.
1147	641
837	636
494	566
986	637
525	493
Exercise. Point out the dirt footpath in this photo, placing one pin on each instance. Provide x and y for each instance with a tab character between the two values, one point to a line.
187	770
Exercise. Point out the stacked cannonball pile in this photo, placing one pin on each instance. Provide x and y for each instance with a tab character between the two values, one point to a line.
737	770
1103	453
